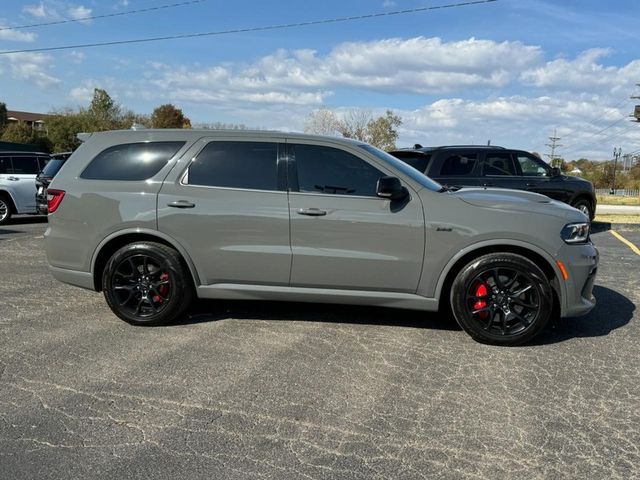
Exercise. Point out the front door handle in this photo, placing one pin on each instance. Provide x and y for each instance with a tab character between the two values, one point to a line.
487	184
13	179
529	185
181	204
312	212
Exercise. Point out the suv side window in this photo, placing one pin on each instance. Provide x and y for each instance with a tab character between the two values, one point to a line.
25	165
500	164
246	165
531	167
5	166
459	165
331	170
131	161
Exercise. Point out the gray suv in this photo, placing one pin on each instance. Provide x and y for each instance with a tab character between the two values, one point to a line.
154	218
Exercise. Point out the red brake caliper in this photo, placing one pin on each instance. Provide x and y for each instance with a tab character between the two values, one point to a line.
162	289
481	291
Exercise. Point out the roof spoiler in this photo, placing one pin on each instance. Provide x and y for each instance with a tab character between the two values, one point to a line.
83	137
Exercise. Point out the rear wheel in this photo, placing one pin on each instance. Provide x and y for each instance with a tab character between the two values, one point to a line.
146	283
5	210
502	299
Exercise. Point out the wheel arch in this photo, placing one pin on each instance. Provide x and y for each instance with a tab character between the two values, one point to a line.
12	202
117	240
541	258
585	196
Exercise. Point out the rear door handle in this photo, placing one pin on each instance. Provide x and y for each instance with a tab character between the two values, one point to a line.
13	179
312	212
487	184
181	204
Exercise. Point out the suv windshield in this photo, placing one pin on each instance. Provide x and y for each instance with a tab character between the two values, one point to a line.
403	167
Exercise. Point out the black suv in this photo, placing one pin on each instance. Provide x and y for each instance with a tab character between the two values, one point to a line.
493	166
43	179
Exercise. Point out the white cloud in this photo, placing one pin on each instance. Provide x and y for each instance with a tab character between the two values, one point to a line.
42	11
585	72
77	57
31	68
15	35
79	12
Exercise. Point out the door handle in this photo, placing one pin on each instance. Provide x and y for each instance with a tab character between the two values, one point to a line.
530	184
13	179
181	204
487	184
312	212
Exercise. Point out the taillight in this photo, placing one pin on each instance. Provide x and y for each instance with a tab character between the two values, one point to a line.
54	198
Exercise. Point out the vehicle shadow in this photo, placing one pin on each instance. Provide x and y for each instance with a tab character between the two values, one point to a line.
612	311
599	227
599	322
213	310
24	220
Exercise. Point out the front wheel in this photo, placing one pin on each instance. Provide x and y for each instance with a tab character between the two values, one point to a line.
585	207
146	283
502	299
5	210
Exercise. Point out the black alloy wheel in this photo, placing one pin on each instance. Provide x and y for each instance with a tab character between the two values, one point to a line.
502	299
147	284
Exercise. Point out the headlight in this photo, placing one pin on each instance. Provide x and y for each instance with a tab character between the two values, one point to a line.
575	232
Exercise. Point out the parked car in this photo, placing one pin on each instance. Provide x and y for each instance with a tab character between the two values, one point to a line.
17	182
154	218
492	166
43	179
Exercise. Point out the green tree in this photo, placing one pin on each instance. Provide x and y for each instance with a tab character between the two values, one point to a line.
104	110
382	132
3	116
18	132
63	128
169	116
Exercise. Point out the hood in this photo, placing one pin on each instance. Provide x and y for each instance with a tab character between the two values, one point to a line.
518	200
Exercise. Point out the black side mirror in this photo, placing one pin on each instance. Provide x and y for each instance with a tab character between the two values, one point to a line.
391	188
555	172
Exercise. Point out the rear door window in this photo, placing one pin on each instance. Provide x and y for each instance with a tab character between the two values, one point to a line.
131	161
498	164
25	165
246	165
459	165
418	161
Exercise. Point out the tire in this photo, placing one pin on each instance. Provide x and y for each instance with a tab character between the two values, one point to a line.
508	311
147	283
6	209
585	207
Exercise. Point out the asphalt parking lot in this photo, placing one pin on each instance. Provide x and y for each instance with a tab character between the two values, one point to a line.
269	390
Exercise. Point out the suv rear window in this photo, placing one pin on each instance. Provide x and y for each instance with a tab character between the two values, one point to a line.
131	161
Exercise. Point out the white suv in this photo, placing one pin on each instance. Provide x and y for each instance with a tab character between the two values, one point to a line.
18	172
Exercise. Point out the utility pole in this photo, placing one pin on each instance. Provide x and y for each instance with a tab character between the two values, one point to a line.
616	154
636	111
553	145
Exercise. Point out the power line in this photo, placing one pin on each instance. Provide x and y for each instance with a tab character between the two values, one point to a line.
252	29
106	15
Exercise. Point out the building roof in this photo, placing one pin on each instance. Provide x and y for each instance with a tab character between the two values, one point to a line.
26	116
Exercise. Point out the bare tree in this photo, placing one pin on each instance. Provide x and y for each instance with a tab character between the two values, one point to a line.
354	124
322	122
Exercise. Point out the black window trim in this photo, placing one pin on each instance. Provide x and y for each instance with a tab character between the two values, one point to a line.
280	165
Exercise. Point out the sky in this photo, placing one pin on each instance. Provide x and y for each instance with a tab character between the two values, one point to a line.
510	71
